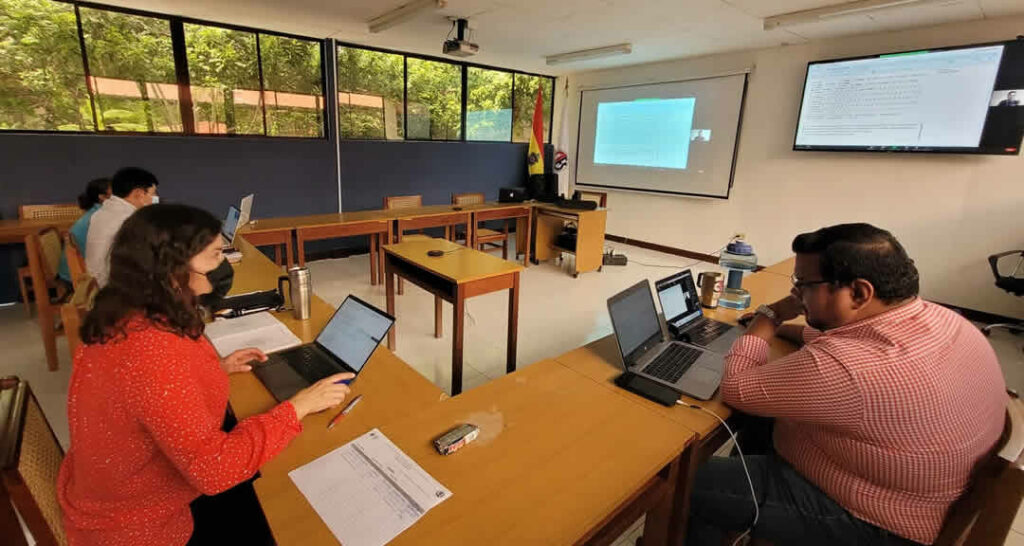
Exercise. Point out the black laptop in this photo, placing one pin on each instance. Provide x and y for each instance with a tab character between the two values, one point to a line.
685	318
344	345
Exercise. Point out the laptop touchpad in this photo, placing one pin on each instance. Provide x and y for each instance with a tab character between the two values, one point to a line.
280	379
703	375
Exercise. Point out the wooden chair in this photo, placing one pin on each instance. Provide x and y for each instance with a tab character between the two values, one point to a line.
30	457
482	236
73	312
599	196
984	513
76	262
57	211
43	249
393	202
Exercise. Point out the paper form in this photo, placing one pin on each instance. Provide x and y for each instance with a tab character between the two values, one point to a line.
368	491
260	330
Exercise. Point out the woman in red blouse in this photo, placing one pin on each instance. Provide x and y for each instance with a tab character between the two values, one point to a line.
148	393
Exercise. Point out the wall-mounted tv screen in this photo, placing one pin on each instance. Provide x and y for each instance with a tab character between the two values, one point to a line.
965	99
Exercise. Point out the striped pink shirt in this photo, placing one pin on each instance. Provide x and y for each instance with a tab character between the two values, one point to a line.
887	415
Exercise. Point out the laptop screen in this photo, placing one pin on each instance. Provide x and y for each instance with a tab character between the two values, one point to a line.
634	318
245	208
679	299
230	224
354	332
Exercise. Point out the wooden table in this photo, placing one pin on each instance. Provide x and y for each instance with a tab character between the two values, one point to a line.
376	224
391	391
602	362
785	267
522	212
273	232
549	221
461	273
559	460
15	231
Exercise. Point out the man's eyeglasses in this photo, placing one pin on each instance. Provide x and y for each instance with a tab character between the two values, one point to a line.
799	284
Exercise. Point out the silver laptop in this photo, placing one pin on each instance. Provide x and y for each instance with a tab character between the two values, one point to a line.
645	351
685	318
344	345
245	210
236	218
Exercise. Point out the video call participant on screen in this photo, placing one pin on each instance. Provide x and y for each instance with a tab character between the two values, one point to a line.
879	418
152	442
1010	100
132	189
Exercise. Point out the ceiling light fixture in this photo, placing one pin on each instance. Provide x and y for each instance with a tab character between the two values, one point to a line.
402	14
587	54
839	10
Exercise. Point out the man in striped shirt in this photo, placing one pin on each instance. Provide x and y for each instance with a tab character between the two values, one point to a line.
879	418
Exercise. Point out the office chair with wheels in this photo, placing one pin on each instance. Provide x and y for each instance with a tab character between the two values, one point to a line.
1012	283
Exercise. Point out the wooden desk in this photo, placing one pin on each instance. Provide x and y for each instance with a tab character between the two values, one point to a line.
557	459
785	267
602	362
549	221
461	273
391	390
431	217
15	231
273	232
522	212
376	224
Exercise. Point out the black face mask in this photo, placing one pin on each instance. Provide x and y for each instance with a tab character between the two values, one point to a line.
221	279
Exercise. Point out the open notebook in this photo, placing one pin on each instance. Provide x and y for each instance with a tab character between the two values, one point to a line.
260	330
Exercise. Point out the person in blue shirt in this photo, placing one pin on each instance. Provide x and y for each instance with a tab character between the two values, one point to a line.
96	192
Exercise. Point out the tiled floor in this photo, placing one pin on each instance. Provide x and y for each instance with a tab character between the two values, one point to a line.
557	313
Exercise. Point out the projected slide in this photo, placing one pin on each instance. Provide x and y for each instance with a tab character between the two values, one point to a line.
935	99
645	132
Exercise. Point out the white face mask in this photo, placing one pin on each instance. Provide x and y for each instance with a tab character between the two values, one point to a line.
156	199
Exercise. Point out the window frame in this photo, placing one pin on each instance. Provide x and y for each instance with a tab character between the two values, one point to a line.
179	52
328	85
464	67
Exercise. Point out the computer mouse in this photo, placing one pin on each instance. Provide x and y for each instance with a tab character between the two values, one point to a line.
435	253
456	208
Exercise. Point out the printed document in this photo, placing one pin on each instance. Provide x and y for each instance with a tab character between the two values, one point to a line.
368	491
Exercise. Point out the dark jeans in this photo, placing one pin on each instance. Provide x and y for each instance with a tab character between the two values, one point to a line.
793	510
231	517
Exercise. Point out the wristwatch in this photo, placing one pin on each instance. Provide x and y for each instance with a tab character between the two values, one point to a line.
770	313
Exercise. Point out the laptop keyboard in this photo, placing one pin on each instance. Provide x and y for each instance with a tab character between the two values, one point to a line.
706	331
672	363
308	363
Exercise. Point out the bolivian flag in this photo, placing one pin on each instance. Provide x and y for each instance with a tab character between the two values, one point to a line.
535	155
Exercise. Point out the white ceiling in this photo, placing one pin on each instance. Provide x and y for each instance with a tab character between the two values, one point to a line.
520	33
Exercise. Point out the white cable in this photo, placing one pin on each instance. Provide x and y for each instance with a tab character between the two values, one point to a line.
743	461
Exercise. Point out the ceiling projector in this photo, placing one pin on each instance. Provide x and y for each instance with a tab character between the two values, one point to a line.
459	46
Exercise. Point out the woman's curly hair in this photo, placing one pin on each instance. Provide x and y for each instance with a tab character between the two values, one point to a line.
149	273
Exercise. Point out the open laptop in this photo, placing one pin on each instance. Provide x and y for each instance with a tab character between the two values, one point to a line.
344	345
236	218
229	227
645	351
685	318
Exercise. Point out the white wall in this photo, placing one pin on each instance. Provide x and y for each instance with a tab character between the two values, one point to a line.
950	211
